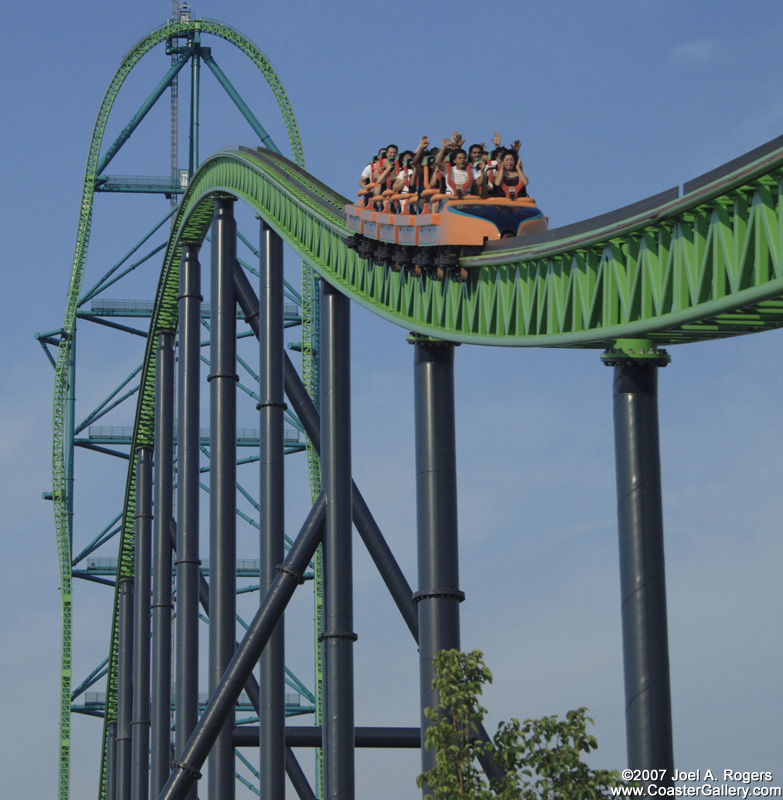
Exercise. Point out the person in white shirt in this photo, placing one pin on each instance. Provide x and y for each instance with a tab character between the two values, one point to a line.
456	176
372	172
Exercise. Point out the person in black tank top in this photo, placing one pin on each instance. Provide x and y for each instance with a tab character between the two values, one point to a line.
510	179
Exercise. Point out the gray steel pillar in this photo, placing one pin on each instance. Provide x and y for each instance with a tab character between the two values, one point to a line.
124	690
222	495
111	761
188	457
338	636
642	573
195	81
140	747
366	525
271	712
162	609
438	596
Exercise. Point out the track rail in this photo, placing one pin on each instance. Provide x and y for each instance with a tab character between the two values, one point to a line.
676	268
704	264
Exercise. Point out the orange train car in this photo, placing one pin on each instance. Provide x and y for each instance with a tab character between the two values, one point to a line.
434	242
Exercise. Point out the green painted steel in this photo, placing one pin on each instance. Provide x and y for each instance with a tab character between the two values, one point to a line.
706	265
60	443
264	137
142	112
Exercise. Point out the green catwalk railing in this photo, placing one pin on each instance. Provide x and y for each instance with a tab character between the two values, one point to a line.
701	265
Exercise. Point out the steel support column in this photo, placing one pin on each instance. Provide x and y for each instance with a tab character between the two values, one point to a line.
124	690
271	712
140	746
162	609
438	596
195	83
222	506
642	572
188	456
111	761
338	635
366	525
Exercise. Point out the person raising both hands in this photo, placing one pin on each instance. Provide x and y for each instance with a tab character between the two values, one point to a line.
456	176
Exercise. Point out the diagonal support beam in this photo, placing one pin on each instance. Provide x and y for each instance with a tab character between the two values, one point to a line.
367	527
266	139
190	760
365	523
142	112
297	777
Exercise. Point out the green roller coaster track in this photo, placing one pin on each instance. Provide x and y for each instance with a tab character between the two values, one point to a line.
60	491
702	264
705	266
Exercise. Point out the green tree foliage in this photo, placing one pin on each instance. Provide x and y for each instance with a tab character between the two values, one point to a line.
541	758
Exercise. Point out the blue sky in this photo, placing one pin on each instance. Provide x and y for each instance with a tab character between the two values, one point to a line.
613	101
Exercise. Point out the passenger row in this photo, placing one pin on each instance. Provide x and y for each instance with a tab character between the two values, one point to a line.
421	181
